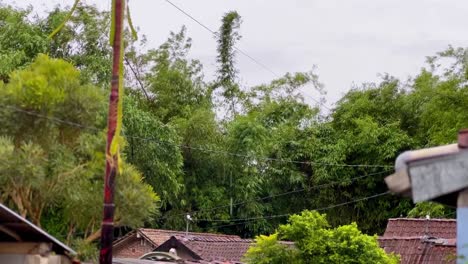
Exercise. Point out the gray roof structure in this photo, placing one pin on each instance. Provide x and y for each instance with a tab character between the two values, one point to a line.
15	228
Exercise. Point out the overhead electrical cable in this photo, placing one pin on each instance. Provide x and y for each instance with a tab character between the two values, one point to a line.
256	61
283	194
252	219
202	149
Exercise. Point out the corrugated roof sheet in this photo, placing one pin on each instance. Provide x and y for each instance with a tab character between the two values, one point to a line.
28	232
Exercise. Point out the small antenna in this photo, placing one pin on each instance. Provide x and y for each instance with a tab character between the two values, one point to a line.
188	218
426	231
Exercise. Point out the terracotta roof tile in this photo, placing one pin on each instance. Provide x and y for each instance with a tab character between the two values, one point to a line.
218	249
415	227
425	241
159	236
212	262
419	250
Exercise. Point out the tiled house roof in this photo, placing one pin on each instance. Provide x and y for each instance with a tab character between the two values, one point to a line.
424	241
410	227
420	250
144	240
159	236
209	248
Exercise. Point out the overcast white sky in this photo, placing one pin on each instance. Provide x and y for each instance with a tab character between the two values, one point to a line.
350	41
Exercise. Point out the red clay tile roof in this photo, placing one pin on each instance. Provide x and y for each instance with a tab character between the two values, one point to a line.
420	250
217	248
211	262
425	241
208	246
415	227
159	236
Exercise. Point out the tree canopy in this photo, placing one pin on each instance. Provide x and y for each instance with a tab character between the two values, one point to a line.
238	159
315	242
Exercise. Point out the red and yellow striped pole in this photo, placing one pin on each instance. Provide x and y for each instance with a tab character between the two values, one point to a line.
114	124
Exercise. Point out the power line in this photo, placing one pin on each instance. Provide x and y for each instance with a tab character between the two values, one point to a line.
70	123
284	193
256	61
216	34
191	17
252	219
311	163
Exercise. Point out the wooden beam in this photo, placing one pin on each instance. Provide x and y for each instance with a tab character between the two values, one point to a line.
25	248
10	232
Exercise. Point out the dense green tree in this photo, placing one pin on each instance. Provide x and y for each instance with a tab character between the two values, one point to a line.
83	40
52	152
174	108
366	128
275	128
227	81
429	209
20	39
153	149
315	242
174	81
215	150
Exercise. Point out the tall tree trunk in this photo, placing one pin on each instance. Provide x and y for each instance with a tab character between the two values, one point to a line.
19	203
112	159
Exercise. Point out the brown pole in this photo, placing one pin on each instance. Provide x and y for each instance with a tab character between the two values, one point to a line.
107	227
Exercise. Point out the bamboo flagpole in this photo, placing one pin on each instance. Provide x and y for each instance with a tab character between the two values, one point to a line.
114	123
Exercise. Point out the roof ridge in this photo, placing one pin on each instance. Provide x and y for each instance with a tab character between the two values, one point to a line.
401	237
184	232
240	240
423	219
122	238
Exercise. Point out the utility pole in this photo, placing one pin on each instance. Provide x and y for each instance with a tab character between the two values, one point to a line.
112	157
437	174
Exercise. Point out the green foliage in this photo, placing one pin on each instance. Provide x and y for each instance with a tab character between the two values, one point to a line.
212	149
51	162
86	251
431	209
227	72
49	87
87	48
227	38
268	250
175	82
315	242
159	159
20	39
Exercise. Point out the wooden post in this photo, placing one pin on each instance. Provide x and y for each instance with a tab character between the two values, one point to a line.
107	227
